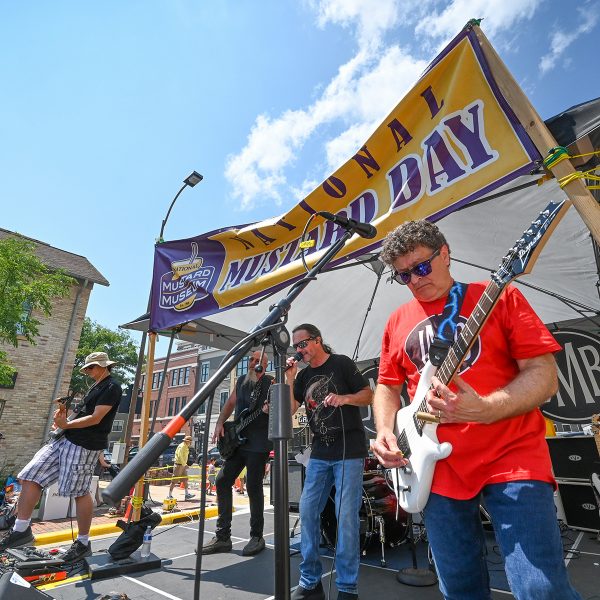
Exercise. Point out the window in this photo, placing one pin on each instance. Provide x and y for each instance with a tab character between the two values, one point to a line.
204	373
180	376
242	367
156	380
224	398
117	426
25	314
142	382
176	404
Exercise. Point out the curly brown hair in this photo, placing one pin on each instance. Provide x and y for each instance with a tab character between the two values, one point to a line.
406	237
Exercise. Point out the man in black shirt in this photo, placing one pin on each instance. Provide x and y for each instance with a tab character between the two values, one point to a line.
332	390
250	394
70	458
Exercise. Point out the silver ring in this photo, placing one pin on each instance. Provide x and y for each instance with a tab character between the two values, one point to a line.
439	415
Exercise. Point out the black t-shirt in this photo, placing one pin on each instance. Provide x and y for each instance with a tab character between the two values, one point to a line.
251	396
95	437
338	375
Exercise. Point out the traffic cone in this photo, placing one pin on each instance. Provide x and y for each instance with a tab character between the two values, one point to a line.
182	485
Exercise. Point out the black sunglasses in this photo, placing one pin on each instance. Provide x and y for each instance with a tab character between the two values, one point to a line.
420	270
301	345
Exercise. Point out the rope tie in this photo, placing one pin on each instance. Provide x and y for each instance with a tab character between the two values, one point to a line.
137	501
556	155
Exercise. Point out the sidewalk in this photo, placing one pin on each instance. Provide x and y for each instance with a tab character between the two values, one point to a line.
59	530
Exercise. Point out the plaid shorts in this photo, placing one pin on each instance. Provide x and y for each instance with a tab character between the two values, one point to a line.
72	465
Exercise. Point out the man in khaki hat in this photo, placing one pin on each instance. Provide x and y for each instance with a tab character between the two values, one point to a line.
180	469
70	458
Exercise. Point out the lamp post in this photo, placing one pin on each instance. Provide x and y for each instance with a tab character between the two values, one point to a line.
190	181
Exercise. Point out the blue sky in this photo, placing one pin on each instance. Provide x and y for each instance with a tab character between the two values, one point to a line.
107	106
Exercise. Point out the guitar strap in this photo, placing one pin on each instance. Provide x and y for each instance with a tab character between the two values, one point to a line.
444	337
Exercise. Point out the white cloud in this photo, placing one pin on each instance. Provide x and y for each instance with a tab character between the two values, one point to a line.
370	20
364	90
560	40
497	14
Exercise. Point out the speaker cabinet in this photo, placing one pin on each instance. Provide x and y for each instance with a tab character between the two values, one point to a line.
295	485
573	456
580	505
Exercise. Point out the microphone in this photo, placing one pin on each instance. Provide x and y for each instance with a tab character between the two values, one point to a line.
297	357
365	230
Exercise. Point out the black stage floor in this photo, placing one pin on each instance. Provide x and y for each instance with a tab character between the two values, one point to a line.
232	576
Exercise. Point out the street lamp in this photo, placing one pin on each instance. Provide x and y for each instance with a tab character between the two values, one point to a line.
190	181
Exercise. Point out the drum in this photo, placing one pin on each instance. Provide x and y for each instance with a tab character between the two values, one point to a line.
377	515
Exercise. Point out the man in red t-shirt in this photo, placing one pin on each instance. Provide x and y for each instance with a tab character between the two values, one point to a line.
489	414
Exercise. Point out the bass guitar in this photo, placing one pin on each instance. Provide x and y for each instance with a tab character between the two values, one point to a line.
232	437
415	426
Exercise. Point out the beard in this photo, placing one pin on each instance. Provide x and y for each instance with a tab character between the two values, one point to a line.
252	376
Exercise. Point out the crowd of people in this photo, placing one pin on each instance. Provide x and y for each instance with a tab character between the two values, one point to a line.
489	413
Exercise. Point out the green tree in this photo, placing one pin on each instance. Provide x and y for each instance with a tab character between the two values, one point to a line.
26	286
117	344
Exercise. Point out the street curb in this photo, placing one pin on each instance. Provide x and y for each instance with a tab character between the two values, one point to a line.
65	535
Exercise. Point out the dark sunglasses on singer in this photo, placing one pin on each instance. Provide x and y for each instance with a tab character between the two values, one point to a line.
421	270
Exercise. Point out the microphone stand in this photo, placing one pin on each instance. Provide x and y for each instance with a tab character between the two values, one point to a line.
280	422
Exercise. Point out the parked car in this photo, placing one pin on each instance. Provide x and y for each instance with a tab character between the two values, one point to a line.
214	453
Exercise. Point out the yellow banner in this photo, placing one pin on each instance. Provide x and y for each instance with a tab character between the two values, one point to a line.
451	140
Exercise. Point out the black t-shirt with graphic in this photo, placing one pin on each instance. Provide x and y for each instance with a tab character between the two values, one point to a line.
250	395
95	437
337	375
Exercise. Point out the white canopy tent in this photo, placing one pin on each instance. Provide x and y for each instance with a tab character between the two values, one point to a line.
563	285
337	302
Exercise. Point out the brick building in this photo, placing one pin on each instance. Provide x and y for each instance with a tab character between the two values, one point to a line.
44	370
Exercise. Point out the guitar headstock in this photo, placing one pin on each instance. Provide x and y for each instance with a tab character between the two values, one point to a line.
521	257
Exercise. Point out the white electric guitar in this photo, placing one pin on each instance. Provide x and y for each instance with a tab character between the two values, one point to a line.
415	425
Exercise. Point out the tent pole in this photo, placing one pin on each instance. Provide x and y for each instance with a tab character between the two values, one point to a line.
536	129
137	499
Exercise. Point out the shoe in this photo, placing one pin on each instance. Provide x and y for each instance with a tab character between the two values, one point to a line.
16	539
216	545
254	546
347	596
316	593
77	551
169	497
189	496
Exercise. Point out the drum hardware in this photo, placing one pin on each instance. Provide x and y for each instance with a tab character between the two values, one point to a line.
381	525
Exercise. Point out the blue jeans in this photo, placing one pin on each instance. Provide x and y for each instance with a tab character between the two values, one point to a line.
526	528
321	475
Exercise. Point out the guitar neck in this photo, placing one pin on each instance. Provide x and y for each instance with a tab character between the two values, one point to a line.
247	420
468	335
